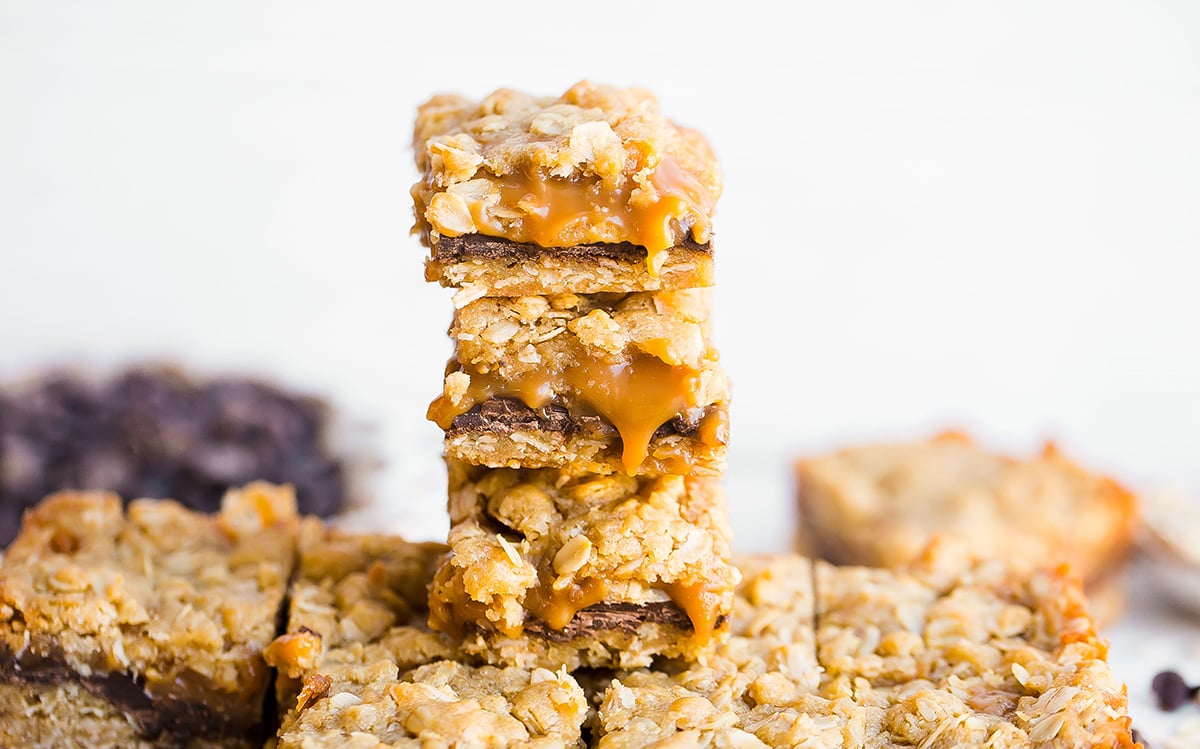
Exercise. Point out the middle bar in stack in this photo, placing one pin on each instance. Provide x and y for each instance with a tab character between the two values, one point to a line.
585	410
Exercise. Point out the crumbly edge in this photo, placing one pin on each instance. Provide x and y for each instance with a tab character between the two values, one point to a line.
476	278
183	602
512	336
373	705
356	599
1040	508
582	453
522	533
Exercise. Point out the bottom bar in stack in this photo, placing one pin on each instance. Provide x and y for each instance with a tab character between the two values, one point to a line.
145	628
552	569
359	668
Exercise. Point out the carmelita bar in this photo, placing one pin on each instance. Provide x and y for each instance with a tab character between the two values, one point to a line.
548	568
144	628
594	191
586	382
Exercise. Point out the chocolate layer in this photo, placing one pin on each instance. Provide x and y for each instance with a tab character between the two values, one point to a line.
610	617
483	247
506	415
166	722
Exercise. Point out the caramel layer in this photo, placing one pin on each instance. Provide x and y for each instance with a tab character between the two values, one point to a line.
637	394
558	607
558	212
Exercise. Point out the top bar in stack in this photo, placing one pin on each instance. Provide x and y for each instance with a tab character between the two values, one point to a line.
591	192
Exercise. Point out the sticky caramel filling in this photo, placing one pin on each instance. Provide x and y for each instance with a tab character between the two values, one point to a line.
557	605
563	212
636	393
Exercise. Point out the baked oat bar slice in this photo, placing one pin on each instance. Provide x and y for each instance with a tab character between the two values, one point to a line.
355	599
997	658
144	627
969	654
758	689
592	191
595	382
880	505
549	568
441	704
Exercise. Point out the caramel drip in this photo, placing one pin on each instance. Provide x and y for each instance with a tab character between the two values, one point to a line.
636	394
451	607
560	212
701	602
558	607
714	428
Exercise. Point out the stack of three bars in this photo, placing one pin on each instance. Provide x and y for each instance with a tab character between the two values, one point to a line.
585	410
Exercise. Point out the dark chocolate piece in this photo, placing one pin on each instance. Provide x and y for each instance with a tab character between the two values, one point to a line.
608	617
480	246
506	415
1171	691
155	433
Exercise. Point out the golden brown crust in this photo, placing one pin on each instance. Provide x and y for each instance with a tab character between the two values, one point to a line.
356	599
881	505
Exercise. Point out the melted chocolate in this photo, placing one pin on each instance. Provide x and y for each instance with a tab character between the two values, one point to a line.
506	415
480	246
609	617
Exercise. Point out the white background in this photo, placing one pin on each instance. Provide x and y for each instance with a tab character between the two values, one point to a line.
936	214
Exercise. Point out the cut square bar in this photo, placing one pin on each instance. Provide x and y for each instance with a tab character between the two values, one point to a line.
880	505
358	667
592	191
142	628
550	568
594	382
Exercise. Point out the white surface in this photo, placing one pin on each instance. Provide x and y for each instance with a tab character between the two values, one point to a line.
945	214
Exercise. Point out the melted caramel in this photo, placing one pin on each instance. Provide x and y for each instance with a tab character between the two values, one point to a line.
701	602
714	428
558	212
558	607
636	394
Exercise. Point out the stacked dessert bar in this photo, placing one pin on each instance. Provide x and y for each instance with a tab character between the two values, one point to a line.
585	410
586	597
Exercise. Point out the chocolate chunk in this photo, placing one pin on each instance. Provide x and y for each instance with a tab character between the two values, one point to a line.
608	617
506	415
155	433
1171	690
479	246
